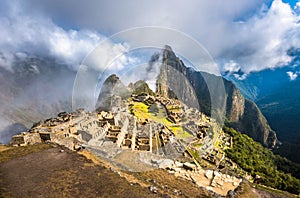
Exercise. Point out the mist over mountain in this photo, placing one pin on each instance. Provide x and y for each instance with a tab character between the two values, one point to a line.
35	88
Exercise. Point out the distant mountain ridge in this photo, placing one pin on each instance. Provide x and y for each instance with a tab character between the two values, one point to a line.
241	113
35	88
278	97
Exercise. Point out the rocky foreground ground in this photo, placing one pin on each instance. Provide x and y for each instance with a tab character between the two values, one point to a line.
47	170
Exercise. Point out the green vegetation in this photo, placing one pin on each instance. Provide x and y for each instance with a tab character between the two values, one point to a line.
179	132
258	160
287	166
141	111
194	154
171	108
198	144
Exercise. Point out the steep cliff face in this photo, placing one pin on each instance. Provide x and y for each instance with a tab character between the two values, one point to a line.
176	80
191	87
173	84
255	124
235	102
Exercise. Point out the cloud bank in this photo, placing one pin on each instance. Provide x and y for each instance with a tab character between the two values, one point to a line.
242	36
34	33
263	40
255	35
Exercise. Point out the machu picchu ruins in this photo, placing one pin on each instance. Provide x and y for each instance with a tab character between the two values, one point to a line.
164	132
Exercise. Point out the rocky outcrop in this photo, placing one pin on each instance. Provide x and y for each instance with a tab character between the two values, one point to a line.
112	86
141	87
191	87
114	91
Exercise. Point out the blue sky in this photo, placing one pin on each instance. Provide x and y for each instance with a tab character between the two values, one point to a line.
291	2
242	36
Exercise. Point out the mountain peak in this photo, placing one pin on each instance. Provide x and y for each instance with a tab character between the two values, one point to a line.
192	87
168	47
168	53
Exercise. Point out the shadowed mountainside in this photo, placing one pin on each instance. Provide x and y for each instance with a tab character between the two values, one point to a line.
241	113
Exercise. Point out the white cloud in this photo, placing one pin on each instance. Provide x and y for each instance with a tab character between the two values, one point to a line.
240	76
249	33
231	67
263	40
292	75
276	32
109	55
297	6
34	33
